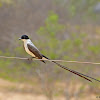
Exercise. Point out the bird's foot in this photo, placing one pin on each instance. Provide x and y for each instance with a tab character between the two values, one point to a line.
31	58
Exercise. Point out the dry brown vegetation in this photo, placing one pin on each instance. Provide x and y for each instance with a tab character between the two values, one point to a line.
23	91
61	29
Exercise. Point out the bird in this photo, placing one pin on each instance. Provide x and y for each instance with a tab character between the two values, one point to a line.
32	50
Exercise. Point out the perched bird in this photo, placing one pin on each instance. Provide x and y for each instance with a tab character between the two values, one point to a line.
32	50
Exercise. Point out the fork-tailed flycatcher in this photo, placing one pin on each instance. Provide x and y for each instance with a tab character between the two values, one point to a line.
32	50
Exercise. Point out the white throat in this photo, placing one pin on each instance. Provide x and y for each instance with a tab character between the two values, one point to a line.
26	40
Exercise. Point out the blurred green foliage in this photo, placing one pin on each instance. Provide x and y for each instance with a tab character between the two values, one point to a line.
5	2
73	48
80	9
68	41
50	30
94	49
52	26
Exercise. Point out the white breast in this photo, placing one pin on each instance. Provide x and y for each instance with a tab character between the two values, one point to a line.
27	50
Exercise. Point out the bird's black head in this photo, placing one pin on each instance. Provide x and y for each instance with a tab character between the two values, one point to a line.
24	37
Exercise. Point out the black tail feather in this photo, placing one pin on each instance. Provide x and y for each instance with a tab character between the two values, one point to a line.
74	72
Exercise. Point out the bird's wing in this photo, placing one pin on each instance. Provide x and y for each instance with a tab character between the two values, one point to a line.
34	51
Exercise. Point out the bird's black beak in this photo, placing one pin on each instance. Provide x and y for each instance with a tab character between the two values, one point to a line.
19	38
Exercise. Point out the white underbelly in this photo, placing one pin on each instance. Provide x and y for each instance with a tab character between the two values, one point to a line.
29	52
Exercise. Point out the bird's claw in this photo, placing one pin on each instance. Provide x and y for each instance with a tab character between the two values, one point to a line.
31	58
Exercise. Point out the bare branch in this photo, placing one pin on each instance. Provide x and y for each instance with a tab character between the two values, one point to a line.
52	60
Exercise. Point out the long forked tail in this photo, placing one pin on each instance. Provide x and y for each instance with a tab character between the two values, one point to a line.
74	72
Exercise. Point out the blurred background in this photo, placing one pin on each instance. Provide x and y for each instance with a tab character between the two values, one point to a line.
61	29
